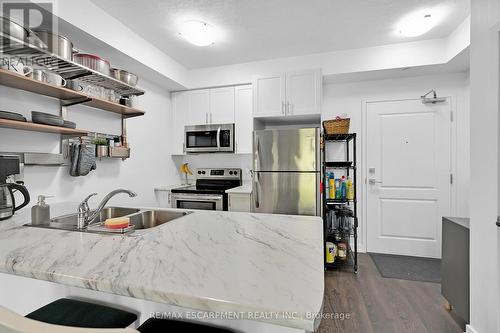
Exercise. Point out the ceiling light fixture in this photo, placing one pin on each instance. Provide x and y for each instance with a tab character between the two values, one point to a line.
198	33
417	24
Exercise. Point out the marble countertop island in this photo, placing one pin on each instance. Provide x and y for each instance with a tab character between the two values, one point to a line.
207	260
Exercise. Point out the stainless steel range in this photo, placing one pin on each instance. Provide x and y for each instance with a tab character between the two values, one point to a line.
209	193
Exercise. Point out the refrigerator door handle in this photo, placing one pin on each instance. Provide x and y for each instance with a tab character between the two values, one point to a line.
257	154
257	189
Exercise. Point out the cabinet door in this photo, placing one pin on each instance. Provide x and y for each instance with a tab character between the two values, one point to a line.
269	96
303	92
239	202
221	106
180	107
163	199
199	107
243	119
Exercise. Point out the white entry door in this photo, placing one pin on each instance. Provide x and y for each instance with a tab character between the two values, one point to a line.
408	176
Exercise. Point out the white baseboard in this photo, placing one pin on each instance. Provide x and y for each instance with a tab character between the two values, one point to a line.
470	329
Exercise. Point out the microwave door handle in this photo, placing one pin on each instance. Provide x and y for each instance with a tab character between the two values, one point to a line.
218	138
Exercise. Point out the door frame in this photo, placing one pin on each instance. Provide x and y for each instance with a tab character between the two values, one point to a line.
364	170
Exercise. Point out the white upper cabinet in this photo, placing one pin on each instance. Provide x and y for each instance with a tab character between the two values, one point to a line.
222	105
295	93
211	106
180	107
269	95
243	119
303	93
199	107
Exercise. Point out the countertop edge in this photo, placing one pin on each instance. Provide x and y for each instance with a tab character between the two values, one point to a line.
188	301
246	188
306	319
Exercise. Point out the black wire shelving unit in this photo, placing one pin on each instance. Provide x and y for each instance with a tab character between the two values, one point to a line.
336	234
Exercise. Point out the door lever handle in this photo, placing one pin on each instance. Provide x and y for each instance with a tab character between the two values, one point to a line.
373	181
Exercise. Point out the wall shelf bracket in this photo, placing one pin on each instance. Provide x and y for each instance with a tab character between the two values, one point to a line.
75	101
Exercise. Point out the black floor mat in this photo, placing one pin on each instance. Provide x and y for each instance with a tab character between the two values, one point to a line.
408	268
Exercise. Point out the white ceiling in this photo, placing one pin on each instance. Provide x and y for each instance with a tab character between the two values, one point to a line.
253	30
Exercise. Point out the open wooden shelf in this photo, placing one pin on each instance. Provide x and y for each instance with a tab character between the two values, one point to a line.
126	111
13	80
27	126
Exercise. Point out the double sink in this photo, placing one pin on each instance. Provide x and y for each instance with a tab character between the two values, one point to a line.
139	218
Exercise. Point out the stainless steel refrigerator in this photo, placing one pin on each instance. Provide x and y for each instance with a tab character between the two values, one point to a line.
287	171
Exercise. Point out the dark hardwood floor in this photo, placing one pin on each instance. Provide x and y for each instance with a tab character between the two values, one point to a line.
381	305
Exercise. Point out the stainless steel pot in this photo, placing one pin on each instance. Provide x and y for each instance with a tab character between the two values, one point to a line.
124	76
21	33
93	62
56	44
13	29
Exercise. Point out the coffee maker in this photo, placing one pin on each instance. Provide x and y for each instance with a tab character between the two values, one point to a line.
10	165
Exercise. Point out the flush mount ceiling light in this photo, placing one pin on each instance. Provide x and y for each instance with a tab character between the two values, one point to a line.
417	24
198	33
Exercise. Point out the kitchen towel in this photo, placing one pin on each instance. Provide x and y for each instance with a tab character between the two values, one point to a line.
86	159
74	150
83	159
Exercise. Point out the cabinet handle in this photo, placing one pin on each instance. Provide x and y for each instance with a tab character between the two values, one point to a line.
183	147
206	117
210	117
288	108
283	111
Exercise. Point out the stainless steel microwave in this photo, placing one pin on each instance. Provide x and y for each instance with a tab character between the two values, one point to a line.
209	138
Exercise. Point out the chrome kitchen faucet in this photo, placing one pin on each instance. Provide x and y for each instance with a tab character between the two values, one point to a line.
85	215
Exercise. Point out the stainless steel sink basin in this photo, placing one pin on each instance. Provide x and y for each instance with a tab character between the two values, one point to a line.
141	219
153	218
70	221
62	222
112	212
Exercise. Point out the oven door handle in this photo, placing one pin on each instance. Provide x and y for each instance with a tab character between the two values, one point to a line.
196	197
218	138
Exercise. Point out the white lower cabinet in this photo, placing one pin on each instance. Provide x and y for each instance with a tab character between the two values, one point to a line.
163	198
240	202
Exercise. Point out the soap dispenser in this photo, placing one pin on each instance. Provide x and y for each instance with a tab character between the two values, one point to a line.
40	213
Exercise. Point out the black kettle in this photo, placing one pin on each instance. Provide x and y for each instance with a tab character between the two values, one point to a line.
7	201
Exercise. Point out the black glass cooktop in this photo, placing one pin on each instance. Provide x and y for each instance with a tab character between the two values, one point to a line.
209	187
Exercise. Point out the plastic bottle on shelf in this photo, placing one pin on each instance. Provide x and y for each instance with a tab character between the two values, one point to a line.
343	190
331	182
338	189
331	252
350	189
327	184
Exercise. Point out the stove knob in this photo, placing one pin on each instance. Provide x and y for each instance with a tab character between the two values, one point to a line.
235	173
199	172
230	172
203	172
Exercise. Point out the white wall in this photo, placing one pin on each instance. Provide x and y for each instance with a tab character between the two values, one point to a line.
348	98
148	167
484	197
